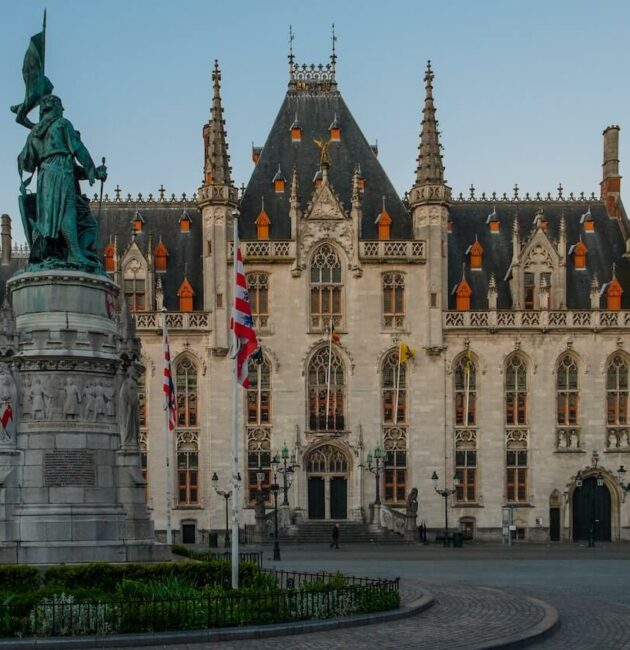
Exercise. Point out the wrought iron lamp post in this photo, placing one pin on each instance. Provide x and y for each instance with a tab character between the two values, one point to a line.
376	465
275	488
445	493
287	470
625	487
226	494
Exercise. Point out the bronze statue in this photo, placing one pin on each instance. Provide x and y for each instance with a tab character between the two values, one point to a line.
324	158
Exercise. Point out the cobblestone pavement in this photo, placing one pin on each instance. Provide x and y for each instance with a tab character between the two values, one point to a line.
479	596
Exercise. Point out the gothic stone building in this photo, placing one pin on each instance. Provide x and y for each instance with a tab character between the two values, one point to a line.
518	308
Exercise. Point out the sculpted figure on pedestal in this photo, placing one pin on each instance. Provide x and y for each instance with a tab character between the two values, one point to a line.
40	400
412	502
72	400
8	404
129	409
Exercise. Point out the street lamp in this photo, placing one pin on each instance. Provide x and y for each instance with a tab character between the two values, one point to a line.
445	493
376	465
625	487
226	494
275	488
287	470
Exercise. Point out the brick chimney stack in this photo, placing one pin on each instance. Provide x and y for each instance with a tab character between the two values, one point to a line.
611	181
5	239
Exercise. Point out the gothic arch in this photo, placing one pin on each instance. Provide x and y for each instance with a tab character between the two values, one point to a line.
348	359
329	452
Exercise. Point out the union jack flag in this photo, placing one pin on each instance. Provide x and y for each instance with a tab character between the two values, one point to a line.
244	335
170	403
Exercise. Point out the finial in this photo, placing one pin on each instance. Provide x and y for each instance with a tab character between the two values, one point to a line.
492	284
614	269
161	190
291	37
262	203
515	191
560	191
383	203
333	56
185	269
428	76
463	271
117	192
216	77
472	192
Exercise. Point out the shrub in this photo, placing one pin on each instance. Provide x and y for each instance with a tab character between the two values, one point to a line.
19	577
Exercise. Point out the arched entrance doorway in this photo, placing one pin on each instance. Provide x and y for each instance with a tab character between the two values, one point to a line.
327	472
591	511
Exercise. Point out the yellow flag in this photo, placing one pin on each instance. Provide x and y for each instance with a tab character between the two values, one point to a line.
406	353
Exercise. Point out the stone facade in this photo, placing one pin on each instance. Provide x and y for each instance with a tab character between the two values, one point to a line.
519	389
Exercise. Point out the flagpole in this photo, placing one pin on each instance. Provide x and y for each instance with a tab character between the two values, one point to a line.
330	336
398	383
235	486
167	442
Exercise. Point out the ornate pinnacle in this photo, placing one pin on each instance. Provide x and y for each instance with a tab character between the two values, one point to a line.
217	164
430	170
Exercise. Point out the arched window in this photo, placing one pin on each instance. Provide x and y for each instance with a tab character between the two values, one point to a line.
259	392
394	389
186	386
258	460
395	477
617	390
515	392
326	288
327	459
187	468
465	374
394	299
326	391
567	391
258	288
134	285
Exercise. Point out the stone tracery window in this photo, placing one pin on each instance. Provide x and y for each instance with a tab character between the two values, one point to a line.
327	459
394	375
617	390
259	392
393	299
395	476
567	391
326	288
515	391
187	468
258	460
134	284
326	391
186	388
465	375
258	288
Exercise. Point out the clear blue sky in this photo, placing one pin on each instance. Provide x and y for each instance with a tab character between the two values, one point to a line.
523	88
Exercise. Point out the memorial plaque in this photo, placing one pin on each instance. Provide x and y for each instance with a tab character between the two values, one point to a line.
69	468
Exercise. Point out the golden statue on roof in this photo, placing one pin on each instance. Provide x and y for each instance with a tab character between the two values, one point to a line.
324	158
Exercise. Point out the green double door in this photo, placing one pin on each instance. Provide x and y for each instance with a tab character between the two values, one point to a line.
591	511
317	497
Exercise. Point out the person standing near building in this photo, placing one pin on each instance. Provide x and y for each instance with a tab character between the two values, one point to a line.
335	536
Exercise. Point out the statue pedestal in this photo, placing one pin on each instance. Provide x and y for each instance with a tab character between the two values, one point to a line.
77	497
411	530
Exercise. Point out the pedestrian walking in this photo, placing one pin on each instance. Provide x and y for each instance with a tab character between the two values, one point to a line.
335	536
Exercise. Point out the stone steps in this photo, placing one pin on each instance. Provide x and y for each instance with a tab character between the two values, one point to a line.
350	532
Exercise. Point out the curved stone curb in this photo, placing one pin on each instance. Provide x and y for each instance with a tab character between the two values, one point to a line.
546	628
220	634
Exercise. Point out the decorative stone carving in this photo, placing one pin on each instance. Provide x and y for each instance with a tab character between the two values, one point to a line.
40	400
129	409
72	400
8	404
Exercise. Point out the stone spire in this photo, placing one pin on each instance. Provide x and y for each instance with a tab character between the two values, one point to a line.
430	170
217	169
430	186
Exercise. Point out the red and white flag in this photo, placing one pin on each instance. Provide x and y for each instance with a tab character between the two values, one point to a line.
170	404
6	419
244	336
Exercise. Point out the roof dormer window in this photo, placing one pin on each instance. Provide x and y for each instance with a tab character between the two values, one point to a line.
579	251
279	182
255	153
587	221
462	293
384	222
613	291
161	257
138	222
296	130
262	223
493	221
184	222
476	255
185	294
335	130
109	254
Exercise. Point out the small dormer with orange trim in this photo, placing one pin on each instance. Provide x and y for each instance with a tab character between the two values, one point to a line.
296	130
462	293
361	178
160	255
110	257
579	251
255	153
335	130
540	221
184	222
613	291
279	182
384	222
262	223
587	221
138	222
493	221
185	293
475	250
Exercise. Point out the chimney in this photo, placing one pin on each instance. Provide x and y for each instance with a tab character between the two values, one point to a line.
611	181
5	239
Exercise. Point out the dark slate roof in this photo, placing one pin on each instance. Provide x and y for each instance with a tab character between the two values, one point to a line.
315	113
605	246
161	219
